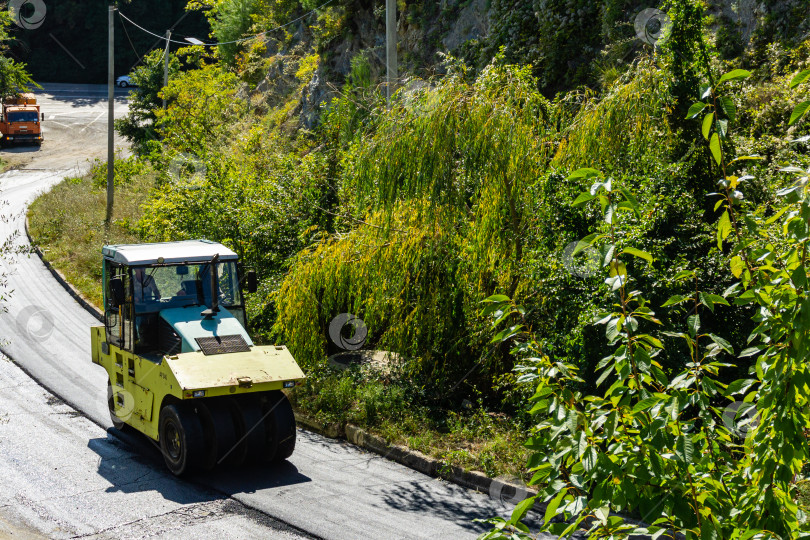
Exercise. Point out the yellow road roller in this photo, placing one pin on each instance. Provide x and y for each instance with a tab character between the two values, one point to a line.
181	366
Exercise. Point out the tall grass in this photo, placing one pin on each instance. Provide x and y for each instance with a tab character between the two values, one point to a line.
68	224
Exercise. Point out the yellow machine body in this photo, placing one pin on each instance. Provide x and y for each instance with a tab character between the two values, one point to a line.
142	386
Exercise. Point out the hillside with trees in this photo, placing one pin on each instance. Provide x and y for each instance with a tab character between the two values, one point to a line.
579	230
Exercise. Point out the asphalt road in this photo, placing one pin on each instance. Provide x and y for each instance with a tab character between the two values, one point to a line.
67	473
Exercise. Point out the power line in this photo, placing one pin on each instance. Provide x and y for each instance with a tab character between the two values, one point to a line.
137	54
241	40
161	38
140	57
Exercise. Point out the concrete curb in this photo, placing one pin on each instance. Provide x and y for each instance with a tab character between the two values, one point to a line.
333	431
72	291
417	461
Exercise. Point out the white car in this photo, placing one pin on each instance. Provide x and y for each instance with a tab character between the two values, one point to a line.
123	81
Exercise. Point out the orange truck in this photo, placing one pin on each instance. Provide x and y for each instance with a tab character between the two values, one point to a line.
21	121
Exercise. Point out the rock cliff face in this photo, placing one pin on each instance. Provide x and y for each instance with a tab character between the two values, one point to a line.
421	36
472	23
425	29
745	14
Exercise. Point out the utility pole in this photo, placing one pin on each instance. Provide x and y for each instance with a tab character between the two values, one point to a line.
391	46
166	64
110	115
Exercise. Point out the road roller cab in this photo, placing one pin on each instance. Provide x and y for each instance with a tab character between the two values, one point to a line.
181	366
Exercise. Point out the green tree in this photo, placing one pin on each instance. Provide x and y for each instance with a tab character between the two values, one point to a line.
231	20
690	455
203	106
232	23
138	126
14	76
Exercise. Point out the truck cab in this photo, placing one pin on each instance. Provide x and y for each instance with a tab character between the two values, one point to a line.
21	120
164	296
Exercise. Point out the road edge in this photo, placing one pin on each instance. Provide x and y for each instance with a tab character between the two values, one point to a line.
72	291
474	480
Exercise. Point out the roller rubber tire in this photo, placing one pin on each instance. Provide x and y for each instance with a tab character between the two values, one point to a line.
181	438
250	429
219	432
280	426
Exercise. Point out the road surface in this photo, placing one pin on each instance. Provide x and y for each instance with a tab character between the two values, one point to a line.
67	474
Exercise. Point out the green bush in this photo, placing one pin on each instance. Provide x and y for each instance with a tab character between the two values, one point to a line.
684	450
422	238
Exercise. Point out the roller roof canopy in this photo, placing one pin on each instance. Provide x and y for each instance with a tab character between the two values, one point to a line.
187	251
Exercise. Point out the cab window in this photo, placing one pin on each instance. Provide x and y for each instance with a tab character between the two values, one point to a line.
23	116
117	319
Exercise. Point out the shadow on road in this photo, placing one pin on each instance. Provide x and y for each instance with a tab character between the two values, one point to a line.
132	464
417	499
462	508
120	99
252	478
80	97
27	149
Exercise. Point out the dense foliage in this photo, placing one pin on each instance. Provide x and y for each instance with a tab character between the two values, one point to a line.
681	452
409	214
344	219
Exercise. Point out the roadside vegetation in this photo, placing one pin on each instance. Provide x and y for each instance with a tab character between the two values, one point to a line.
607	262
68	221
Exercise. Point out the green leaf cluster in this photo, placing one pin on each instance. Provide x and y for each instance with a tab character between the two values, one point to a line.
670	448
